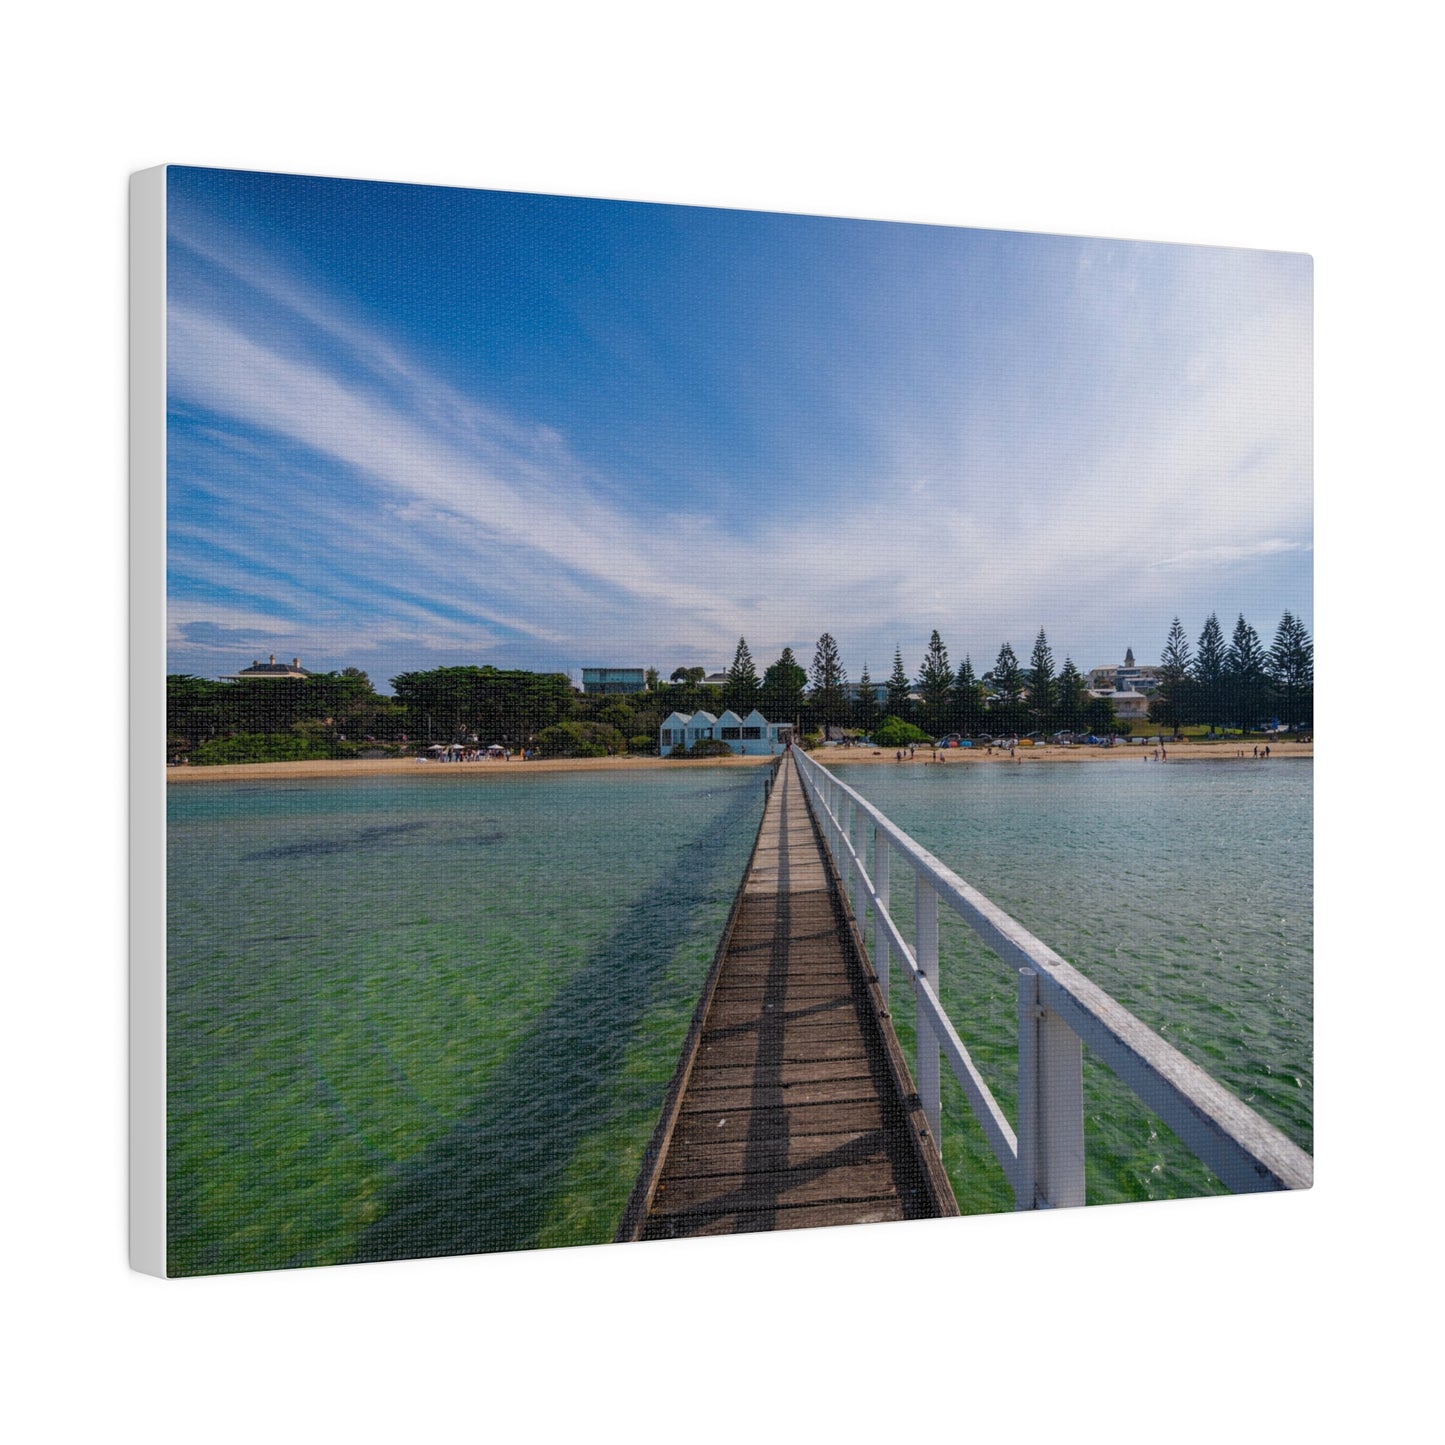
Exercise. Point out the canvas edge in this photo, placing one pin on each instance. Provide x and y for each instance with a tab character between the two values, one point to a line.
147	593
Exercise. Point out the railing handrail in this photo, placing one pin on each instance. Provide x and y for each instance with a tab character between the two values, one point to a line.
1244	1150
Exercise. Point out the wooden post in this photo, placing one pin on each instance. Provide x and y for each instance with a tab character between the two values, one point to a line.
1051	1105
925	926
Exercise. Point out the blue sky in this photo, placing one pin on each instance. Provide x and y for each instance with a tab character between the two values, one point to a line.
414	426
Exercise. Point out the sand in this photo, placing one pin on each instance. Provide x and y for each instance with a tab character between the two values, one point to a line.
954	757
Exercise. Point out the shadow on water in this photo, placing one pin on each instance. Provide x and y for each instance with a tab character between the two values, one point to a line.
489	1184
317	847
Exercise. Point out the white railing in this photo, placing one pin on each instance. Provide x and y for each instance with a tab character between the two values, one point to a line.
1059	1010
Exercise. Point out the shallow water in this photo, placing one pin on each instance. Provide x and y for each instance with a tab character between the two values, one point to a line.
425	1016
439	1015
1184	890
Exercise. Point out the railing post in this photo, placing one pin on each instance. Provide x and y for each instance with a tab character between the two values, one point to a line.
880	930
925	925
1026	1185
1051	1105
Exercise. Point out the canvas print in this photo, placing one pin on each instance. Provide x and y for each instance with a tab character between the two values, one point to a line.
683	721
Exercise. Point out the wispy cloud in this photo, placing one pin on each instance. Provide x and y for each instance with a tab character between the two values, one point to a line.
334	494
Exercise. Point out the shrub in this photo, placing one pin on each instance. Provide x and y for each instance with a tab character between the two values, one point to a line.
893	732
264	748
579	740
705	748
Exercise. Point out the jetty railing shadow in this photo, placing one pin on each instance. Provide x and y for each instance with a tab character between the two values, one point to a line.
1059	1011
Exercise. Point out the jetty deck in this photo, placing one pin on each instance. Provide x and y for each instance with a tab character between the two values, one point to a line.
792	1104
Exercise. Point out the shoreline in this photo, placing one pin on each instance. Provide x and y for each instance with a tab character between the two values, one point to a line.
955	757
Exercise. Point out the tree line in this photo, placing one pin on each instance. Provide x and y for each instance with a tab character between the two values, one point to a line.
1234	684
1238	683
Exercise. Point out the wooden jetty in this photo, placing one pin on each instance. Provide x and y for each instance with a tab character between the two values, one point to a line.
792	1104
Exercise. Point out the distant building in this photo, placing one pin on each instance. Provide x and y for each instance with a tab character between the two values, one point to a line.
715	679
1129	706
752	735
267	669
605	680
854	691
1124	677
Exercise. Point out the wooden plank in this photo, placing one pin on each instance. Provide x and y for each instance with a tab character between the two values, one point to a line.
726	1125
722	1076
635	1211
791	1115
795	1151
857	1089
732	1193
693	1226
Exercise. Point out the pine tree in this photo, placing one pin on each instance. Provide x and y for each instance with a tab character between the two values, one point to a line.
1007	681
898	689
1071	697
865	710
1174	663
743	687
1208	674
1291	669
967	699
1041	682
827	676
1172	704
782	693
935	682
1245	681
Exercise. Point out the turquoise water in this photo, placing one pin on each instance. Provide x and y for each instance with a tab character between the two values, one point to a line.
1184	890
417	1016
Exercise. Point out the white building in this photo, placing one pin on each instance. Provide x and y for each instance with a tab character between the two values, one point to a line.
1129	706
753	735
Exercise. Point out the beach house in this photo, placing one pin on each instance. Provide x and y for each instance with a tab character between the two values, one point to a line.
753	735
267	670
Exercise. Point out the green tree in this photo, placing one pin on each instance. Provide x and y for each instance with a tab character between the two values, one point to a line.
783	684
1041	686
1099	716
743	687
968	700
899	688
1207	675
894	732
935	684
1246	682
448	704
865	710
651	679
828	678
1006	683
580	740
1071	697
1171	705
1291	668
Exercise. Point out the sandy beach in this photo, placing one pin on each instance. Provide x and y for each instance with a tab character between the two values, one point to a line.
954	757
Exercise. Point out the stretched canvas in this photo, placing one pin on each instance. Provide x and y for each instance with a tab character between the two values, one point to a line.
652	721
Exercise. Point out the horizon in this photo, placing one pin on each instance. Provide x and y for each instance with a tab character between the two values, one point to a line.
414	427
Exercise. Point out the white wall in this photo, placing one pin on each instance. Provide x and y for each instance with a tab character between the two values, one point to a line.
1287	127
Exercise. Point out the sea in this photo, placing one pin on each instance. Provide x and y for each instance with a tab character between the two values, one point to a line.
438	1014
